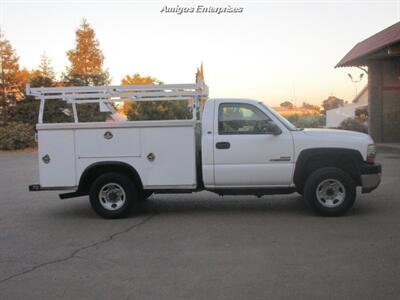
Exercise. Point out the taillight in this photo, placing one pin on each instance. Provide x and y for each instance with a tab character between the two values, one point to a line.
371	153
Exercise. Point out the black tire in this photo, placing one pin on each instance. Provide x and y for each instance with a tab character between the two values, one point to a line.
341	197
126	188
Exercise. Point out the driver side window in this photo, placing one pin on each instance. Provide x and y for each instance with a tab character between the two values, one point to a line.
242	118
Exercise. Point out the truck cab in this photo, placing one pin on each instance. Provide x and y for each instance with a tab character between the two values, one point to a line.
244	145
229	146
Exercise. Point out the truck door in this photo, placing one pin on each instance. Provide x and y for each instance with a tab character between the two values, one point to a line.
247	150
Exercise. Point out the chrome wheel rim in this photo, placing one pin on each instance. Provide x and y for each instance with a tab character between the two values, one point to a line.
112	196
331	193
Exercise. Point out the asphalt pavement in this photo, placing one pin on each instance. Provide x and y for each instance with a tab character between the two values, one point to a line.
198	246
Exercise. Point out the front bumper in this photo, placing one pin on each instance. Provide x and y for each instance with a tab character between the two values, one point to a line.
370	177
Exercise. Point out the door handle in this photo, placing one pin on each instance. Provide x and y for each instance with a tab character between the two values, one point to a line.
282	158
223	145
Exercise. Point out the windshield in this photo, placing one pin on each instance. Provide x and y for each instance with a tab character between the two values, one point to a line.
285	122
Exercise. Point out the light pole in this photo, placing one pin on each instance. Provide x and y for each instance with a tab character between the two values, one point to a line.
355	81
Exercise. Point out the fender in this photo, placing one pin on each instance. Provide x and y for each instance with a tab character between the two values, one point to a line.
349	160
96	169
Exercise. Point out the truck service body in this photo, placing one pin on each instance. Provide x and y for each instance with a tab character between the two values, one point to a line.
230	146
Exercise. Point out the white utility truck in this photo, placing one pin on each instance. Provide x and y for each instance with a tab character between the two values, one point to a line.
227	146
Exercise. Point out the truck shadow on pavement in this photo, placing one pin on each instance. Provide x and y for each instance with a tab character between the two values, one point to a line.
287	205
226	205
171	205
192	204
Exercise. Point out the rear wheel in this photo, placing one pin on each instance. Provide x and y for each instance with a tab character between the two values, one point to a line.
113	195
330	191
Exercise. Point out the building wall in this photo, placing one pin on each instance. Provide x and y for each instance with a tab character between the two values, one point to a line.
375	100
335	116
384	100
391	101
362	99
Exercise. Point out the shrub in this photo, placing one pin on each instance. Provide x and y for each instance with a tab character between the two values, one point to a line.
156	110
27	111
307	121
354	125
16	135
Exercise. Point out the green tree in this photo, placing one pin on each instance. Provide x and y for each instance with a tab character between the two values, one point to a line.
136	79
86	69
27	110
9	84
44	75
331	103
287	105
310	106
22	78
153	110
86	60
130	109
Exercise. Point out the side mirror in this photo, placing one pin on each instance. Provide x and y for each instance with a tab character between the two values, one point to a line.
274	129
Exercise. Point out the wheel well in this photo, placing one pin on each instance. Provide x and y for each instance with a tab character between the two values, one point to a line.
95	170
310	160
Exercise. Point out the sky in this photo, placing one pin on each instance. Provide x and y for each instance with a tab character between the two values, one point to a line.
273	51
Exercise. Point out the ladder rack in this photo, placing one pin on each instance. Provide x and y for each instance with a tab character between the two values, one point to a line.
120	93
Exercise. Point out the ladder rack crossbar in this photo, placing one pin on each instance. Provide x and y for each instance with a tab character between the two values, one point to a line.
130	91
137	96
82	101
121	93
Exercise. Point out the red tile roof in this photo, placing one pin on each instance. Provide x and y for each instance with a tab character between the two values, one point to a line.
378	41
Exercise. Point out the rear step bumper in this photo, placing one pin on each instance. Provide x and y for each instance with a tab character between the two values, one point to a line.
38	188
70	195
35	188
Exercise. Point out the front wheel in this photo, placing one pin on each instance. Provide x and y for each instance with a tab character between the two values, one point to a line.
330	191
113	195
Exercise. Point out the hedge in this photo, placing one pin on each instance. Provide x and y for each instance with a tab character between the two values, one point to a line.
307	121
16	135
353	125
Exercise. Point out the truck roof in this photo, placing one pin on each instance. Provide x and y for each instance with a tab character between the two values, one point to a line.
234	99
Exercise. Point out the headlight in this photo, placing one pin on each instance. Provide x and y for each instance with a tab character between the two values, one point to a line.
371	153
